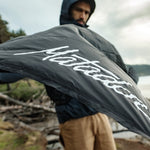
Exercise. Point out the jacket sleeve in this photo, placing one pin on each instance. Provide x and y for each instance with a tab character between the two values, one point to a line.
132	73
3	71
7	77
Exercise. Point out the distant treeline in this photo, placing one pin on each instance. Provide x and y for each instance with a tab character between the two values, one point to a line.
142	70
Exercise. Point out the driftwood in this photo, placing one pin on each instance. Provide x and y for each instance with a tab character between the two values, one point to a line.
7	108
5	97
119	131
27	115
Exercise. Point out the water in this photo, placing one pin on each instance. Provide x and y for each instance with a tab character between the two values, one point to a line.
144	86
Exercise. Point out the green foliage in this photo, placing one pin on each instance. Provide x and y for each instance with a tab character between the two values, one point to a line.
14	34
21	139
10	140
5	34
33	147
24	89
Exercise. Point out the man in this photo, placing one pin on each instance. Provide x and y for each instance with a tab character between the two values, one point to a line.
81	127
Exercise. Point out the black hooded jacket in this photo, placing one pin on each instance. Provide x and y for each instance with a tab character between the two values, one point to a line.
67	107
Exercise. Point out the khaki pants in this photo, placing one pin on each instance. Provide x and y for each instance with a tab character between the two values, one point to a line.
88	133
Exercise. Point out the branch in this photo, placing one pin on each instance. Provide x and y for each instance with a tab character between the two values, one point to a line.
5	97
118	131
6	108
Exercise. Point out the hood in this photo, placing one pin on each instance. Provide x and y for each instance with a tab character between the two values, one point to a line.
64	16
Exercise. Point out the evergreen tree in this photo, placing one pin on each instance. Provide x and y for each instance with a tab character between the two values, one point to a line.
5	34
14	34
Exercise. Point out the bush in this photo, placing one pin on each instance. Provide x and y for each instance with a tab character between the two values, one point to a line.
23	90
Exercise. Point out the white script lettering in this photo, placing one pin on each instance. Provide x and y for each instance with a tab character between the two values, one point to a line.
93	70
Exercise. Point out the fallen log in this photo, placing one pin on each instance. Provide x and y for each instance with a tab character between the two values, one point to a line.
5	97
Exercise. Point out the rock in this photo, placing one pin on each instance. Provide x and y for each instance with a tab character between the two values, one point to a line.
128	144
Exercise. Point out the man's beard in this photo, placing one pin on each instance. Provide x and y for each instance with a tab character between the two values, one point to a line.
81	20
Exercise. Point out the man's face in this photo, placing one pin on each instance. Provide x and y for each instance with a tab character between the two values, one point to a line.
80	12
